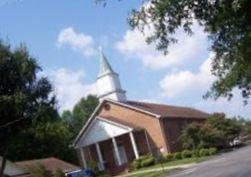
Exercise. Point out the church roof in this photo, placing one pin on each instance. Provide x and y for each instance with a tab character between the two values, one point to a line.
169	110
105	67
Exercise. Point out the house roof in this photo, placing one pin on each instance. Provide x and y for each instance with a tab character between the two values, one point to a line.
51	164
13	170
169	111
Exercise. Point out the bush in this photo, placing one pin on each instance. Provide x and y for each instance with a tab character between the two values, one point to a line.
186	154
196	153
204	152
212	151
168	157
147	162
177	155
136	164
143	161
58	173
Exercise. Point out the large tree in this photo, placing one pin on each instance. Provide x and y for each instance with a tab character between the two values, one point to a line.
80	113
23	95
227	23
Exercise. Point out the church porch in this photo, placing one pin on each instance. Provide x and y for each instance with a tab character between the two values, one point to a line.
117	153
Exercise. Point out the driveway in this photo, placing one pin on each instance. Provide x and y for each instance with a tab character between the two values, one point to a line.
233	164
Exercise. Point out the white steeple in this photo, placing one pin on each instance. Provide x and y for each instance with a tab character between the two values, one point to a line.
108	82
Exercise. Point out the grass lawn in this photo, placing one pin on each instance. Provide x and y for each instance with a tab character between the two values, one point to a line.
149	174
175	162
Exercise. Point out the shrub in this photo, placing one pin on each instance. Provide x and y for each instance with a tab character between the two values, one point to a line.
212	151
58	173
136	164
196	153
143	161
204	152
186	154
177	155
168	157
147	162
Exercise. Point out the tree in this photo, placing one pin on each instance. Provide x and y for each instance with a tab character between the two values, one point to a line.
80	114
217	131
228	25
23	95
191	136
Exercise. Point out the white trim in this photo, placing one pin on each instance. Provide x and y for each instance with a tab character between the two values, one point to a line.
96	110
115	146
82	154
100	158
125	129
134	145
115	123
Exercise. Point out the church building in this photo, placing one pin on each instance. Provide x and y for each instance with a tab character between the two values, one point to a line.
121	130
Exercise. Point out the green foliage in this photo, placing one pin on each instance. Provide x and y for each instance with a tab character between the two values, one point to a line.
186	153
212	151
168	157
217	131
227	24
143	161
39	171
93	166
204	152
177	156
80	114
27	97
147	162
58	173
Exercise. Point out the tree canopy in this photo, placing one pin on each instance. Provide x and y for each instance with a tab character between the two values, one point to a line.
24	97
80	113
217	131
227	24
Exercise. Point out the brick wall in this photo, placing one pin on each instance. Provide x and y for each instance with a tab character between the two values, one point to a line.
148	122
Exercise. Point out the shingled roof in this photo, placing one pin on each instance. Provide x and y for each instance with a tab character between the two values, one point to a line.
169	111
51	164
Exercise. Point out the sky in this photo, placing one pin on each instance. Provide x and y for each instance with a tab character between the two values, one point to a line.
64	36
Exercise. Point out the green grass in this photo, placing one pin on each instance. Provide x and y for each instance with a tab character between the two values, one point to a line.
174	163
149	174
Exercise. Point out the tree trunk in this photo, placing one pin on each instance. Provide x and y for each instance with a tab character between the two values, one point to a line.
3	165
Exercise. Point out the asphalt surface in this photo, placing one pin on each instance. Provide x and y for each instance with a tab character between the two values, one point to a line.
232	164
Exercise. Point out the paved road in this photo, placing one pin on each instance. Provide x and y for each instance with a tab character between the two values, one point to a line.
233	164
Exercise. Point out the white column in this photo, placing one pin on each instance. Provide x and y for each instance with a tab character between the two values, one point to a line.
82	154
116	151
134	146
100	158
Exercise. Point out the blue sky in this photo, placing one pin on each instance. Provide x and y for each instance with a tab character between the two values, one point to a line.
64	36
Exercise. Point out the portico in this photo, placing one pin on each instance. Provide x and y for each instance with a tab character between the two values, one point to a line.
110	143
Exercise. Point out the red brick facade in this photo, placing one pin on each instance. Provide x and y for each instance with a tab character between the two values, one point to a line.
153	133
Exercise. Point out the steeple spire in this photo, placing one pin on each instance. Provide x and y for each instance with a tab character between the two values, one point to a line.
108	81
105	67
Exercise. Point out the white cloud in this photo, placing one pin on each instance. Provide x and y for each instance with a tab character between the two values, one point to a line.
185	83
77	41
133	45
70	87
233	107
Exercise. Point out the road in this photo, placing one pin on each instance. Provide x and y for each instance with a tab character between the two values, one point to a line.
232	164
